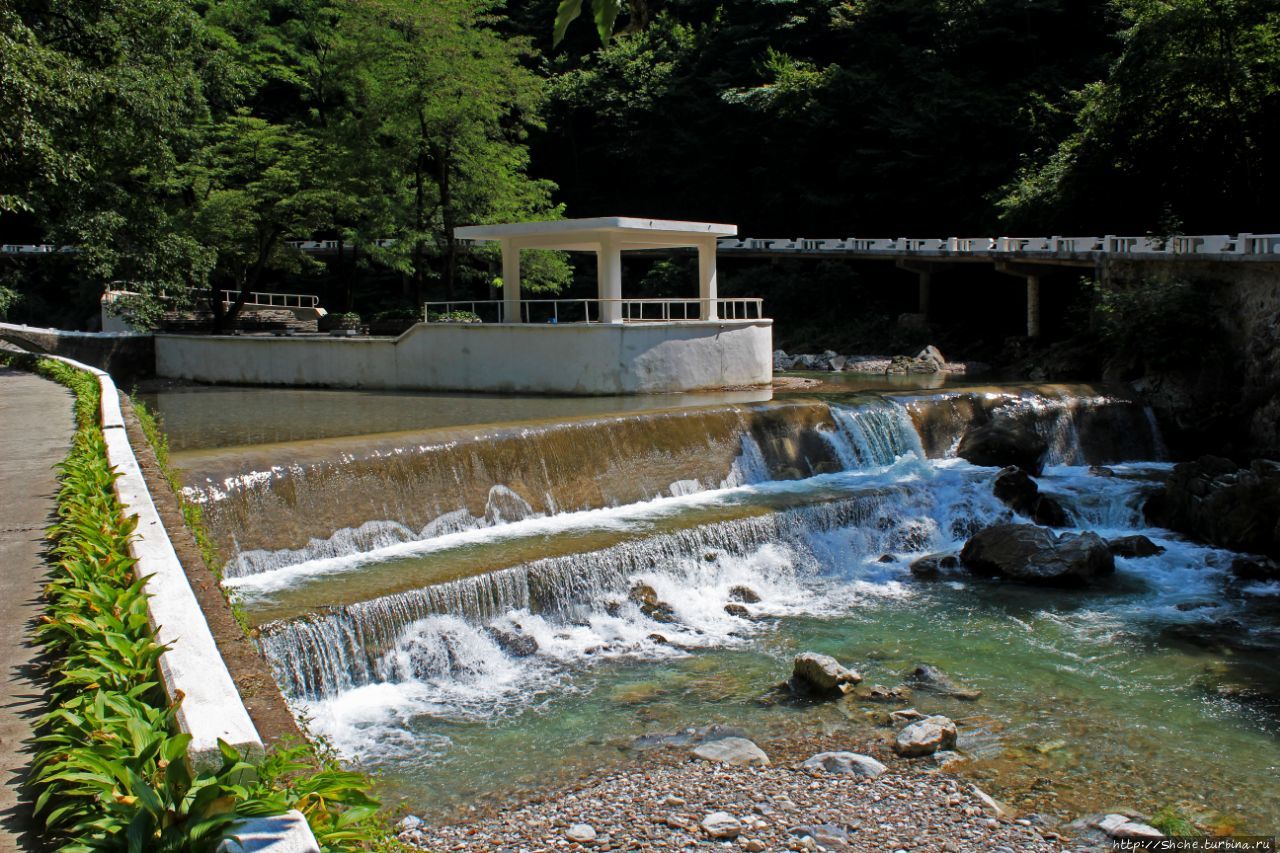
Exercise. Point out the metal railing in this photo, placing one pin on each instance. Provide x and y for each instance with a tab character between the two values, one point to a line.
1241	245
273	300
556	311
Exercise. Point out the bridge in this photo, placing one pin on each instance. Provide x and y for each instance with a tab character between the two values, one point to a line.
1025	257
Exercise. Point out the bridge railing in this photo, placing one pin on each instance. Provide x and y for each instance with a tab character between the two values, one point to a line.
556	311
1246	244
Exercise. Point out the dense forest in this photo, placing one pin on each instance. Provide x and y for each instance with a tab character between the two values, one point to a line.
179	144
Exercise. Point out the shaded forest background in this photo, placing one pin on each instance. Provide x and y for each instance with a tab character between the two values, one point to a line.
180	144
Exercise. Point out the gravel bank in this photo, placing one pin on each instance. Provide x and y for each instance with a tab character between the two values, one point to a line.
662	802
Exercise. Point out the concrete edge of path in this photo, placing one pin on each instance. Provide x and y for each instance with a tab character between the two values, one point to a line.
192	669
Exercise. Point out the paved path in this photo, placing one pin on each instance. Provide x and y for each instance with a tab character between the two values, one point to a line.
35	431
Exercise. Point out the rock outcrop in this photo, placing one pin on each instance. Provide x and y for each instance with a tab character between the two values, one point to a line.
1216	501
821	675
1015	488
999	444
1033	554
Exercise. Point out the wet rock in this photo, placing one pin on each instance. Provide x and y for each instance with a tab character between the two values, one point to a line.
906	715
932	565
1101	471
646	598
582	833
933	680
887	558
1122	826
1185	606
721	825
514	643
880	693
999	444
925	737
1033	554
1015	488
736	751
410	823
735	609
844	763
659	639
821	674
1134	546
994	807
745	594
691	736
1250	569
1215	501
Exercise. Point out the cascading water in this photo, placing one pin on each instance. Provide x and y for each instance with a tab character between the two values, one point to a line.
545	578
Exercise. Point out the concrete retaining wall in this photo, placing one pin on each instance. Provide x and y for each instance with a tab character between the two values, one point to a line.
632	358
191	669
126	356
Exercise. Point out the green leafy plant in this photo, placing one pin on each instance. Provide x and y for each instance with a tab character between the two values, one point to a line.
453	317
111	771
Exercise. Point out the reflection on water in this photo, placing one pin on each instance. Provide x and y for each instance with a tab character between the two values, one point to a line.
210	417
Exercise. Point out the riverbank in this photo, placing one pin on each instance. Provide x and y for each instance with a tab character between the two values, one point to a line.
665	800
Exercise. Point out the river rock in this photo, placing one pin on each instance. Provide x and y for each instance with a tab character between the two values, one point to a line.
514	643
1033	554
721	825
1134	546
880	693
932	353
822	674
745	594
1122	826
737	751
1255	569
844	763
933	680
999	444
1216	501
782	361
1014	487
904	364
739	610
646	598
926	737
582	833
932	565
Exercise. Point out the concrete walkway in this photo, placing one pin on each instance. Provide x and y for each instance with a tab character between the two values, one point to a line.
36	425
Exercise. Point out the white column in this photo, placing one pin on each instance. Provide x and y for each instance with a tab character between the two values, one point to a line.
609	280
707	284
1033	306
511	283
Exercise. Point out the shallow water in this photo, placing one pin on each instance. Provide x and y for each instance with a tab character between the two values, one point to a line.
1091	700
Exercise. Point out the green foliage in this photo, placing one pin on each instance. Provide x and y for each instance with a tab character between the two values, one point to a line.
110	773
1171	821
604	12
453	317
1177	130
1159	324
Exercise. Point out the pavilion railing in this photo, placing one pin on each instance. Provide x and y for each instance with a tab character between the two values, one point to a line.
557	311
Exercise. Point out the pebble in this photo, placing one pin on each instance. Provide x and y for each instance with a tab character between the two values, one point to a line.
667	802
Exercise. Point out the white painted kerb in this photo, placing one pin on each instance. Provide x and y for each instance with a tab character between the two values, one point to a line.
191	668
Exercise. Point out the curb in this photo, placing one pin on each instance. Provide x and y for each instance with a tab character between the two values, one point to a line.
192	668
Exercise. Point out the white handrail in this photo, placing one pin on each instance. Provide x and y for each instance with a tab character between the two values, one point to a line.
648	310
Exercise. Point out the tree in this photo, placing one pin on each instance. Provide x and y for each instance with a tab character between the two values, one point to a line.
1178	132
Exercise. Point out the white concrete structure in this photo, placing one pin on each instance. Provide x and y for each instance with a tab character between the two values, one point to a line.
608	237
534	358
191	668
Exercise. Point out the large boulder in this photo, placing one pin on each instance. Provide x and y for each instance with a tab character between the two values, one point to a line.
999	444
821	674
735	751
1216	501
1033	554
926	737
1015	488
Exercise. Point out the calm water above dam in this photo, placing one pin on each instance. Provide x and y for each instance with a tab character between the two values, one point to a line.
390	572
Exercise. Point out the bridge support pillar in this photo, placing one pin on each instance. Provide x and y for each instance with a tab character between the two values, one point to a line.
1033	306
1031	273
924	283
707	280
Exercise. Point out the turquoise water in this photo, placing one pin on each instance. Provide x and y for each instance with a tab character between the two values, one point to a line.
1092	699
